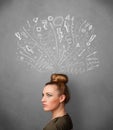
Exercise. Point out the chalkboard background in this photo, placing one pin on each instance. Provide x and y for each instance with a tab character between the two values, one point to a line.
91	105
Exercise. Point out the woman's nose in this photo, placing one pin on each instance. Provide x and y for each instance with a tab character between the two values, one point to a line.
43	99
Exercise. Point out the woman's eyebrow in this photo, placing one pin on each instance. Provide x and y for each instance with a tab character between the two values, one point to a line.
49	93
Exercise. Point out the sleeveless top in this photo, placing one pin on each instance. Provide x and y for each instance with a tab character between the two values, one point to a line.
60	123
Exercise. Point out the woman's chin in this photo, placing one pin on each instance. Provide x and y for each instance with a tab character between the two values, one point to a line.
45	109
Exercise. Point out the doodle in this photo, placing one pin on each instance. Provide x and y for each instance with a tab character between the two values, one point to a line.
78	45
60	34
50	18
28	23
62	44
81	52
35	19
66	23
17	34
58	21
44	22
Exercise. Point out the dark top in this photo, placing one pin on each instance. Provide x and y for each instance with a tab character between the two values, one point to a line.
60	123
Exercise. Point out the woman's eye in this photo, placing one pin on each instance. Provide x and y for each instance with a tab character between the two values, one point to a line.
42	94
49	95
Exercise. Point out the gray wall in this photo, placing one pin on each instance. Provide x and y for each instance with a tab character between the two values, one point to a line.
91	105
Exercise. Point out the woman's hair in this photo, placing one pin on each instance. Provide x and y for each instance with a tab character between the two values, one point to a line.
60	80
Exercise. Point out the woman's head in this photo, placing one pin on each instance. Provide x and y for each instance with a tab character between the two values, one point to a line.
60	80
55	92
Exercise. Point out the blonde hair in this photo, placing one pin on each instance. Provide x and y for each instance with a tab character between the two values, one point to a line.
60	80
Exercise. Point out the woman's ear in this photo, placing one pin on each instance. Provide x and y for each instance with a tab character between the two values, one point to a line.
62	98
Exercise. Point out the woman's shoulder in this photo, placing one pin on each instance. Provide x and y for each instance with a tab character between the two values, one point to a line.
60	123
50	126
64	122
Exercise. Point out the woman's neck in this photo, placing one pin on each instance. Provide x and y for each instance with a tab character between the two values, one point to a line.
58	113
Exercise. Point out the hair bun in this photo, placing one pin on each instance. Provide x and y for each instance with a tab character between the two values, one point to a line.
59	78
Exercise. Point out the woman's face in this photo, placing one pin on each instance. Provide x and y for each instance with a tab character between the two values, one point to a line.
51	98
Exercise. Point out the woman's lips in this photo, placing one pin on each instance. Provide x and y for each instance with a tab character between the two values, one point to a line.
44	105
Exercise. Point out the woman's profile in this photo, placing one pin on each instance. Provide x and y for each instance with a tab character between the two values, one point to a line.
54	97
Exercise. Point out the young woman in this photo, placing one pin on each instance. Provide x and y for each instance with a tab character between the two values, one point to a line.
54	97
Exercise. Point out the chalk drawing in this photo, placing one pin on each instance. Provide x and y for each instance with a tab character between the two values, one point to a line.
58	44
